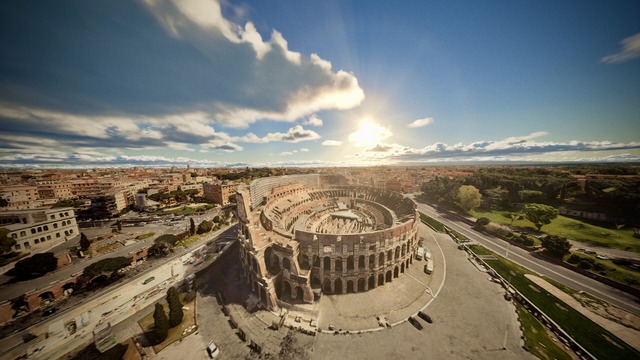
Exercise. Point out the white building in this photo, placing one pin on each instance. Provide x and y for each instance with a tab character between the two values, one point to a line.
39	229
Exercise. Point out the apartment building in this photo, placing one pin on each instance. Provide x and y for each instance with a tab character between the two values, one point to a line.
219	192
39	229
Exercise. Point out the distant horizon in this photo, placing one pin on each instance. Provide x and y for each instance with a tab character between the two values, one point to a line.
216	83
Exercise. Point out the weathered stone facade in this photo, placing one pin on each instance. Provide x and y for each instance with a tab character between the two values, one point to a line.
300	242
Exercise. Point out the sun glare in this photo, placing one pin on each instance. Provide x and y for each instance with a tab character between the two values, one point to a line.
369	133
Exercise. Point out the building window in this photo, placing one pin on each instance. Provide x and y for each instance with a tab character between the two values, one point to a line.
39	228
48	237
36	241
23	233
71	231
55	225
17	247
53	216
33	231
46	228
27	245
57	235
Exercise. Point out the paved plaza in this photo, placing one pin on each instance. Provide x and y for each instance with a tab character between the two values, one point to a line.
471	319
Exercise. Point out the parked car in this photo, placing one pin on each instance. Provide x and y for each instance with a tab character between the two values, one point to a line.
415	323
425	317
213	350
49	310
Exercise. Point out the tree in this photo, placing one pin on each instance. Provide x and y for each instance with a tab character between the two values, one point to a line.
3	202
6	242
159	249
161	324
540	214
84	242
469	197
482	222
35	266
175	307
556	246
514	217
205	227
169	239
192	227
108	265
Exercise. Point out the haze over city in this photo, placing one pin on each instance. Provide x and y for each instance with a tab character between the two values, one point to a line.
307	83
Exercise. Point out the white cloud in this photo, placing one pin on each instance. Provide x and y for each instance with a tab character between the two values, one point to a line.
304	150
420	122
293	135
287	153
307	83
332	143
314	120
630	50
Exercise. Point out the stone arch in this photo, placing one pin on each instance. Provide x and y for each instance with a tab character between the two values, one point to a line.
337	287
326	286
67	289
327	263
286	263
361	263
316	261
395	272
350	265
389	276
380	279
350	288
402	267
286	291
303	260
389	255
299	293
372	261
275	264
404	249
372	282
316	283
338	264
361	285
268	257
381	259
397	254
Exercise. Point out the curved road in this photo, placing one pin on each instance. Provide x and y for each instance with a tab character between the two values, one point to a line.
524	258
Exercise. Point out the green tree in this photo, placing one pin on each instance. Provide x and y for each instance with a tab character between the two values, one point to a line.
6	241
205	227
84	242
161	324
469	197
3	202
108	265
192	227
482	222
35	266
555	246
540	214
175	307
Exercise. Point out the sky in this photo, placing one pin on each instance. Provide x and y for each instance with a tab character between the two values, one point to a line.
235	83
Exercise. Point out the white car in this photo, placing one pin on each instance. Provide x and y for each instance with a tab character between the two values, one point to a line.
213	350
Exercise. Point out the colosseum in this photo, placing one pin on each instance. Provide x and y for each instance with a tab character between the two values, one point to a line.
300	239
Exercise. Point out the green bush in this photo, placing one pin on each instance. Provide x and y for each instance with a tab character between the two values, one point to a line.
108	265
204	227
34	266
574	259
167	239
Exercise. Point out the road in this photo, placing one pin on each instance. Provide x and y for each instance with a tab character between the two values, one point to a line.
113	304
524	258
10	291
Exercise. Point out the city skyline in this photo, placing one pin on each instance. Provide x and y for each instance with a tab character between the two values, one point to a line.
249	83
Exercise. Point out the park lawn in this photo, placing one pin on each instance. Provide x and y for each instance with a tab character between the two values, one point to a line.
573	229
598	341
176	333
617	273
537	338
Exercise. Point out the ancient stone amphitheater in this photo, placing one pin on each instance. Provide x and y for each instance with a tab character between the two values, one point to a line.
300	239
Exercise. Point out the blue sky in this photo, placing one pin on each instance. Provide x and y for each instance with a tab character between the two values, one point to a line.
317	83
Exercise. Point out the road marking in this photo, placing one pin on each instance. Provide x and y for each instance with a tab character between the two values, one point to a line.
444	274
512	252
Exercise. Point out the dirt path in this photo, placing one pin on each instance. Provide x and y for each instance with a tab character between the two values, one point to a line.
626	334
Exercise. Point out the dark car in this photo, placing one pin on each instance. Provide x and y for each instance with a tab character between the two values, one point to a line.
415	323
425	317
49	310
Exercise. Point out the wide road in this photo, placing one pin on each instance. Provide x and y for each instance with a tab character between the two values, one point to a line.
525	258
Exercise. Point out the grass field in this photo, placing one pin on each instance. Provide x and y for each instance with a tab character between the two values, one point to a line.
598	341
573	229
537	338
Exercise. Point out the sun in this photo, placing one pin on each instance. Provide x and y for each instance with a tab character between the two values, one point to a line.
369	133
